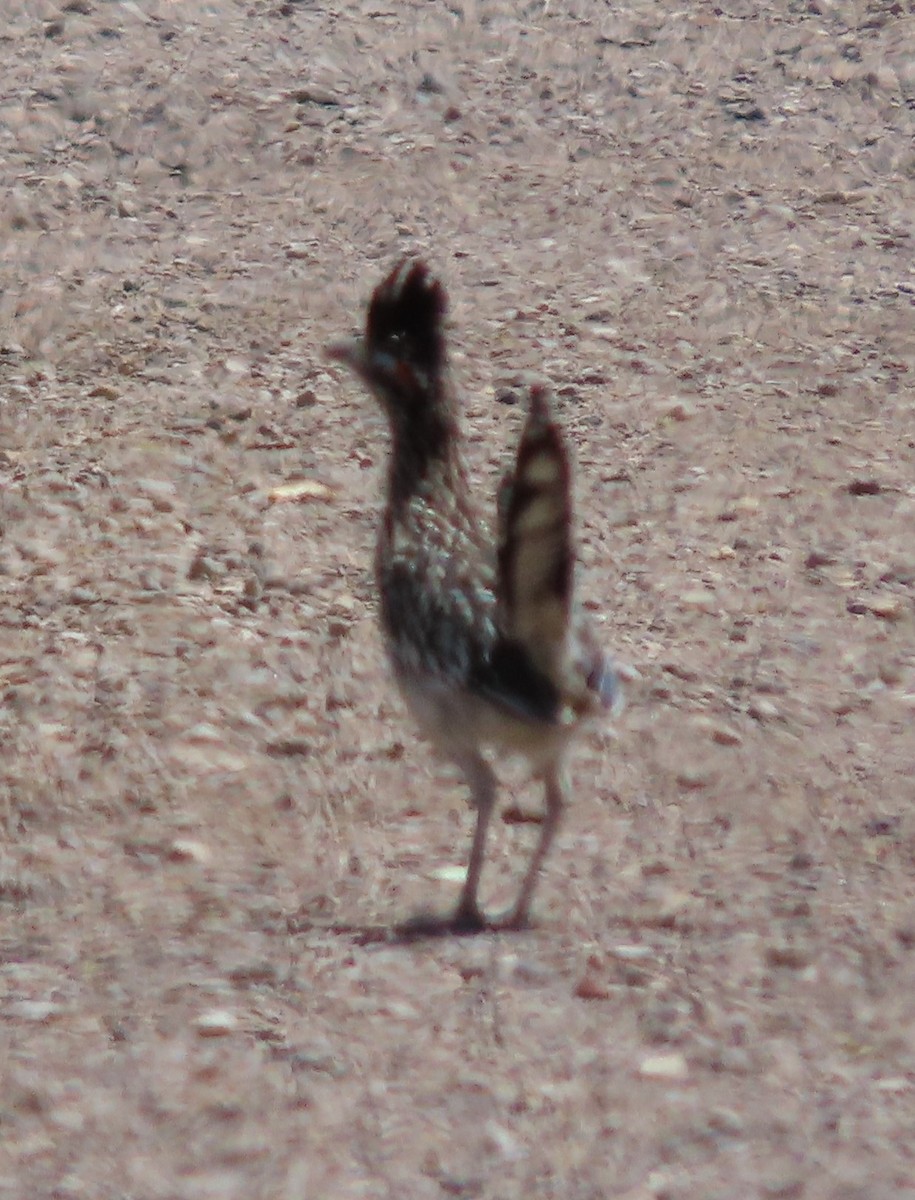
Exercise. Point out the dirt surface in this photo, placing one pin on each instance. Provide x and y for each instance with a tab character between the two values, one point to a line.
696	224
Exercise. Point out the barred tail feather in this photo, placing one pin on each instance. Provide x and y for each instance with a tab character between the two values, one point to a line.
535	550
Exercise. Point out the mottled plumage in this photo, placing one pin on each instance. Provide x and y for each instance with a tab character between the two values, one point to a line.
482	632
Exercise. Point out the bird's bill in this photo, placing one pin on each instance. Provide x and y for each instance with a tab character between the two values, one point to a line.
350	352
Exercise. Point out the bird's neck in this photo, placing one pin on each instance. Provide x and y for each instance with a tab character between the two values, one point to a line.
426	453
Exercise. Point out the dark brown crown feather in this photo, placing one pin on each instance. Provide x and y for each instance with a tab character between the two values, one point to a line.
406	317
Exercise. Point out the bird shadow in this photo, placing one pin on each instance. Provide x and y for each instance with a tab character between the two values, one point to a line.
423	926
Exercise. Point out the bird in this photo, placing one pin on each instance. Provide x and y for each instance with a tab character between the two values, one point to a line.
490	652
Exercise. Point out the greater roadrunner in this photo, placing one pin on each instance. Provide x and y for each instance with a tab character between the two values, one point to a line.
484	640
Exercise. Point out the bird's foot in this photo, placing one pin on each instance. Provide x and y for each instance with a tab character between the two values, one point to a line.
465	920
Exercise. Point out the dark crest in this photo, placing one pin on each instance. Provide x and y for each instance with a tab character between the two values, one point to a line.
405	319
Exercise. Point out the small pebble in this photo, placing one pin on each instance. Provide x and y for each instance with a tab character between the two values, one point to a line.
664	1066
218	1022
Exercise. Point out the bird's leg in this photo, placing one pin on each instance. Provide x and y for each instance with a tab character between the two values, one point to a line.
554	795
482	784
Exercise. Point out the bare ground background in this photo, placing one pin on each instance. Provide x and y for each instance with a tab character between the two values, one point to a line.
696	223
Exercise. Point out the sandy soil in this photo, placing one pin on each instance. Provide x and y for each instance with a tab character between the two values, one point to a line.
696	223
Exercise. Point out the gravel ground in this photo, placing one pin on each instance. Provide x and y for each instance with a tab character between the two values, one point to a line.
696	224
